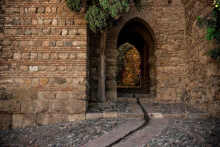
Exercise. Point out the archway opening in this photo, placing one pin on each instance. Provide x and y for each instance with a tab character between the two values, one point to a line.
128	66
138	36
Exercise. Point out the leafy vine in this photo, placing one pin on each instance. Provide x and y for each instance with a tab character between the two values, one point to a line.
101	14
212	23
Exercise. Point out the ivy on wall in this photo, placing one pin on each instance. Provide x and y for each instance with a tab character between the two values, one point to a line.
212	23
101	14
74	5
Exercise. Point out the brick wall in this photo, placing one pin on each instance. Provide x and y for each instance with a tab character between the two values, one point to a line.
167	64
44	60
203	80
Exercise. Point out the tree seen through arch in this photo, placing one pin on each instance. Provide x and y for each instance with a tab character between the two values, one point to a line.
129	61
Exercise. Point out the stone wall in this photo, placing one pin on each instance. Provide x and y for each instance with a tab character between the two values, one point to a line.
203	80
180	70
44	59
43	67
166	22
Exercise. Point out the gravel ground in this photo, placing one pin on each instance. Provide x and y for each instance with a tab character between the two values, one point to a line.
59	135
189	133
178	133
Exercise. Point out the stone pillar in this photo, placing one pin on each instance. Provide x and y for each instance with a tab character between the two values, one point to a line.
111	67
102	76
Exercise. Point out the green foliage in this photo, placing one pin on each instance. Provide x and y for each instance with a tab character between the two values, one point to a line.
214	53
96	23
217	4
122	50
114	7
74	5
101	14
210	33
213	29
108	10
200	21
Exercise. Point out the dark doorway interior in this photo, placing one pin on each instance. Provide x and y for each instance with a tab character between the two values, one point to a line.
137	34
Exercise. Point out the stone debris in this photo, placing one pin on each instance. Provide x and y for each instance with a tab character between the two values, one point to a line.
178	132
188	133
62	134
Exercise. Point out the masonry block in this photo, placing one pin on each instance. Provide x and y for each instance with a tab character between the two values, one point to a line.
51	118
10	106
76	117
70	106
23	120
46	95
5	121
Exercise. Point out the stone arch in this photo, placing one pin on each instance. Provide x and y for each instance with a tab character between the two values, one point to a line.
141	28
141	21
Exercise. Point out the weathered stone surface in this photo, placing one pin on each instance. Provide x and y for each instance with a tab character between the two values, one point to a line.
40	50
51	118
167	94
46	95
69	106
94	115
44	81
39	105
23	120
76	117
202	84
10	106
64	95
110	115
6	121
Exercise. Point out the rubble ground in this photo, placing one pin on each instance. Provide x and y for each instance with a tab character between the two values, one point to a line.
188	133
178	132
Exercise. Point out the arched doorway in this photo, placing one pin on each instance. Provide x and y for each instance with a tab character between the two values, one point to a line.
140	35
128	66
136	33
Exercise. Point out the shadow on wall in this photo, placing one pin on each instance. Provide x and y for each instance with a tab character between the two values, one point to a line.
6	117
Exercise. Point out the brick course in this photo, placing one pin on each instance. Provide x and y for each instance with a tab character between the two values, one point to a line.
45	47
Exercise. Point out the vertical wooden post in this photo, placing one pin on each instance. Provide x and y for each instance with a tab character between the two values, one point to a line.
101	80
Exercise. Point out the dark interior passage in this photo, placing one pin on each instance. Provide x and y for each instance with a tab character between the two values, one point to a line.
128	66
136	33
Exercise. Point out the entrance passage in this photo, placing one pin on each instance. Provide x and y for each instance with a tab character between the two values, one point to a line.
129	61
133	68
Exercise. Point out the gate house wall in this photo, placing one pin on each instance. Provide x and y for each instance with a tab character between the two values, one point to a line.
166	22
44	60
43	63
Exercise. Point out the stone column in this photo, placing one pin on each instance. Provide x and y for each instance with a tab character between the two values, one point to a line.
111	67
101	81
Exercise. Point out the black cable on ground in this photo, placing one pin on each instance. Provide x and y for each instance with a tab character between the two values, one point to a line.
146	118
